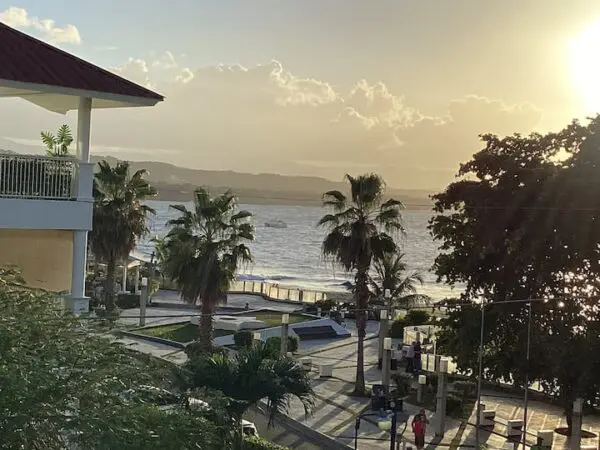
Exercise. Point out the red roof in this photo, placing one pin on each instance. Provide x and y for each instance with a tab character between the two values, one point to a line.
29	60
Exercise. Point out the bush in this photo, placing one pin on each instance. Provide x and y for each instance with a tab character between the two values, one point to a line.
465	389
403	385
397	329
453	405
416	317
325	305
243	338
274	344
256	443
128	301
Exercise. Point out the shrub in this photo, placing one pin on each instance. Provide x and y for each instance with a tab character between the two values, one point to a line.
397	328
128	301
325	305
403	385
274	344
243	338
256	443
453	405
465	389
416	317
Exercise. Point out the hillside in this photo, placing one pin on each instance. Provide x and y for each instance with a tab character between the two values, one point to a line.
176	183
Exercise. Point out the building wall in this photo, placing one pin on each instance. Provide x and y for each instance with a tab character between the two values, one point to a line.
44	256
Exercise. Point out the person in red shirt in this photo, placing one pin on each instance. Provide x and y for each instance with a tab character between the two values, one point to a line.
419	424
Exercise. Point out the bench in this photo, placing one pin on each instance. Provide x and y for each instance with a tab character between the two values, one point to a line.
306	364
325	370
547	437
487	417
514	427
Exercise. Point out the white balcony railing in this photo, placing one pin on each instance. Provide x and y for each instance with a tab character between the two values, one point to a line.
37	177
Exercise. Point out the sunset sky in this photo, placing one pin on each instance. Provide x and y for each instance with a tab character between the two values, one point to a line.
400	87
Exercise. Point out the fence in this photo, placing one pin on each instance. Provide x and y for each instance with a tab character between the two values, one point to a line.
276	292
37	177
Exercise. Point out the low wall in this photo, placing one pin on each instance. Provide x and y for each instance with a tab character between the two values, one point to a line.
273	291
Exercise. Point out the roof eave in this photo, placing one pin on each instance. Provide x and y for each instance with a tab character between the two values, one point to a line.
116	100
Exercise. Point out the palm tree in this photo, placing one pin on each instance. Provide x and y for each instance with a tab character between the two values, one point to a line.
389	274
359	229
58	146
202	251
250	376
119	219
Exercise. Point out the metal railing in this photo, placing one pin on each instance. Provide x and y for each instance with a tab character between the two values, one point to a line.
277	292
37	177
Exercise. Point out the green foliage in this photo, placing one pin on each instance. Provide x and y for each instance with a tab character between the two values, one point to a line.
63	386
360	228
465	389
119	218
521	223
453	405
390	270
397	328
250	376
416	317
243	338
256	443
273	344
58	145
128	301
203	250
404	383
325	305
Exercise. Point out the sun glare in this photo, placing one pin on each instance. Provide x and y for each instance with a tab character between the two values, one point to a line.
585	66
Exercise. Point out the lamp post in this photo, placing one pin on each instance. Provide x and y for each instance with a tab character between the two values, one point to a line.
285	321
151	277
384	315
440	425
386	363
387	422
479	376
257	338
143	300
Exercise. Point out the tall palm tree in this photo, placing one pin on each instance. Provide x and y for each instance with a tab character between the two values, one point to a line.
250	376
359	229
58	145
203	249
390	270
119	219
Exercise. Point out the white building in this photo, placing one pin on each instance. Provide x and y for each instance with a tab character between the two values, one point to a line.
46	203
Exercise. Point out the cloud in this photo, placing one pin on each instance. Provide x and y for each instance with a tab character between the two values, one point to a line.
265	118
19	18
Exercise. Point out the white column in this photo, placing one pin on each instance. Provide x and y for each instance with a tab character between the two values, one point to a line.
124	283
136	283
79	303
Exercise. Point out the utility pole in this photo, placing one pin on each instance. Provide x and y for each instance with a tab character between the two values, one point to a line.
285	323
143	301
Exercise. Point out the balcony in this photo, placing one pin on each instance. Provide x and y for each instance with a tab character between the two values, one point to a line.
38	192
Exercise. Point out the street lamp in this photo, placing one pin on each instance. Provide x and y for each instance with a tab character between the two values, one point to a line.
285	320
387	421
387	353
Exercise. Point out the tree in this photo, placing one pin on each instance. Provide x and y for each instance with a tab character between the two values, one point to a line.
250	376
390	270
523	223
62	385
119	218
58	145
203	250
359	229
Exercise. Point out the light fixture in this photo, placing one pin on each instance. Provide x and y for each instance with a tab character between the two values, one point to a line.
144	281
383	314
387	293
384	424
285	318
444	365
561	304
257	336
422	380
387	343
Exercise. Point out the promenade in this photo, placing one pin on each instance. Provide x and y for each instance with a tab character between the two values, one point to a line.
336	410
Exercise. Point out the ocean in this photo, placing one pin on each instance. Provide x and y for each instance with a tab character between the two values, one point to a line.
292	256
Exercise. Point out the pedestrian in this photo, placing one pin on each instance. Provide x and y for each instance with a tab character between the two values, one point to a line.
417	357
410	358
419	425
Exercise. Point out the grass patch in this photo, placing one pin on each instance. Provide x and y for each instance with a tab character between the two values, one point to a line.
273	319
179	332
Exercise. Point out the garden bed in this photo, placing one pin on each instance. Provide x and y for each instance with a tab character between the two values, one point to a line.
182	332
273	318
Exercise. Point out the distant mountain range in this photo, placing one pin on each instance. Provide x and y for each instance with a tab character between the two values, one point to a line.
176	183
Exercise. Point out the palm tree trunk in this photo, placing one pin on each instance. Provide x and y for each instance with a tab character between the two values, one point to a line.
362	295
205	325
109	286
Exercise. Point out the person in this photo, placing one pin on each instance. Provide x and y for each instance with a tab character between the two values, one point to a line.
410	356
419	425
247	307
417	357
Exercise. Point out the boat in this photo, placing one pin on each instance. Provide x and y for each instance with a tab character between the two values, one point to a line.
276	223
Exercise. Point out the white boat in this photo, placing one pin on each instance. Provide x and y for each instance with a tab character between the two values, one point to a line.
276	223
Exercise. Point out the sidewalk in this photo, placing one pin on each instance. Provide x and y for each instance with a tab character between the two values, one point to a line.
336	410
